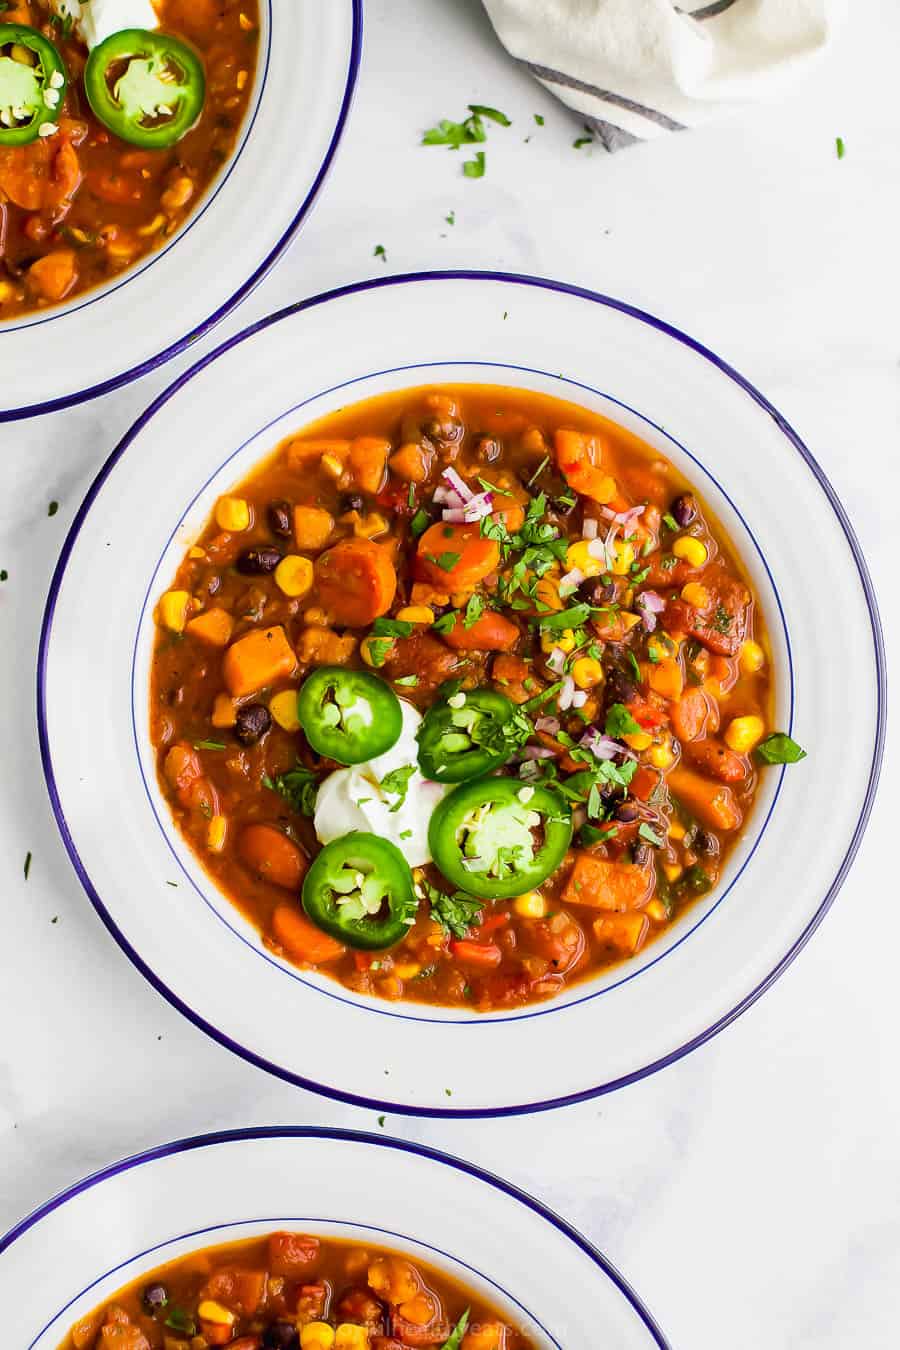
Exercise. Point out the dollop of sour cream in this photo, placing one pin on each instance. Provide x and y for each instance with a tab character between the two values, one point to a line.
96	20
353	798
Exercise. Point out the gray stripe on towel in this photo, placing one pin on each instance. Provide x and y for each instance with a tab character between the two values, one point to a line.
709	11
618	100
611	137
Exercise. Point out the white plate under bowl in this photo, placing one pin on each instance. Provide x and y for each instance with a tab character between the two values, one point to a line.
206	433
309	56
104	1232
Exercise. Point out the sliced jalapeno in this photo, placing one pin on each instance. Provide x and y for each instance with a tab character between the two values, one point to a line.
349	715
32	84
360	890
470	734
146	87
498	837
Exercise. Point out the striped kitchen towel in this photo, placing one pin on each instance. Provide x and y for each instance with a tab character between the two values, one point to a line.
633	69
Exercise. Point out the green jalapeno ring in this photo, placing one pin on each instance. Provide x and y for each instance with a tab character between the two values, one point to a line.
349	715
360	890
37	90
469	736
148	88
480	836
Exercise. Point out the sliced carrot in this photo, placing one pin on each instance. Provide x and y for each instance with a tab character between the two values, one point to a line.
455	557
712	803
213	626
258	659
489	633
478	955
368	459
579	457
269	852
41	175
715	759
356	582
302	939
690	715
602	884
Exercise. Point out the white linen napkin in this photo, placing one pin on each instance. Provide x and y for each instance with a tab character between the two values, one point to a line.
634	69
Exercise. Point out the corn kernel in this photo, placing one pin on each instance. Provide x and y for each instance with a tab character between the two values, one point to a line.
232	514
662	756
246	23
752	657
547	592
316	1336
210	1311
333	466
367	527
407	970
294	575
173	610
673	871
692	550
744	733
629	620
676	829
656	910
196	552
215	842
577	556
695	595
416	614
283	708
639	740
351	1337
531	905
368	650
586	672
623	557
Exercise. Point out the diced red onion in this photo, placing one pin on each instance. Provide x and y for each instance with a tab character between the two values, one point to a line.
597	549
538	752
591	527
458	485
604	747
454	515
571	581
564	700
548	724
556	661
623	517
649	604
579	698
479	506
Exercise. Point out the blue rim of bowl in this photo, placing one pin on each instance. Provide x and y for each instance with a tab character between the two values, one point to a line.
192	1142
202	329
635	1075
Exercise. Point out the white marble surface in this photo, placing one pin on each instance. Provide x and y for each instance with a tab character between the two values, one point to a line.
750	1192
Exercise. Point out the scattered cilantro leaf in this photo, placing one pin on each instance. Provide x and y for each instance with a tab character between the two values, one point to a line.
619	722
573	617
445	561
647	832
209	745
392	628
494	114
379	649
298	787
474	611
52	508
178	1319
779	748
456	913
379	252
474	168
455	1339
539	119
670	522
419	523
445	622
397	784
840	147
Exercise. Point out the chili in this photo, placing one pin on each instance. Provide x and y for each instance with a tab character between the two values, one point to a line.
348	715
360	890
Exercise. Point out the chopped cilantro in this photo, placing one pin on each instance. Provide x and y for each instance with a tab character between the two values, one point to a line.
381	1121
589	834
52	508
408	681
647	832
670	522
379	649
619	722
493	114
474	168
451	218
840	147
27	867
779	748
209	745
538	471
411	496
392	628
445	622
573	617
539	119
583	140
397	784
380	253
298	787
635	667
446	561
419	523
474	611
456	913
178	1319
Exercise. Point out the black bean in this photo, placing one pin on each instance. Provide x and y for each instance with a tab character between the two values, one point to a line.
352	501
487	449
279	517
281	1336
596	591
214	585
154	1297
619	687
684	509
704	842
641	855
627	813
446	431
253	720
256	561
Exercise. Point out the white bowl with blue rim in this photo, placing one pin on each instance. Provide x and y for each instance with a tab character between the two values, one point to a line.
105	1232
309	58
197	440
